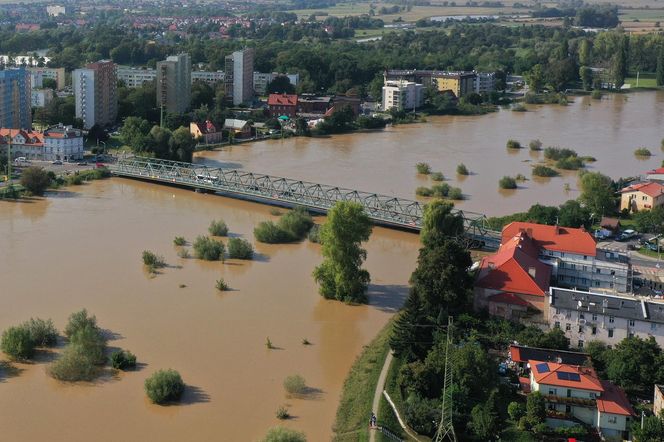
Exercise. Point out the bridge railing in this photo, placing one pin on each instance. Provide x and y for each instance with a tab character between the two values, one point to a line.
387	209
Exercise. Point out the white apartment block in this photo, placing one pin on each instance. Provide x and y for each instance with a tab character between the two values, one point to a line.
41	97
484	82
209	77
22	60
55	10
261	80
57	74
239	78
402	95
587	316
83	82
135	77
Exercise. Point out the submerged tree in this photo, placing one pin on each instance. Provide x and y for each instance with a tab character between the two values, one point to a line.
340	275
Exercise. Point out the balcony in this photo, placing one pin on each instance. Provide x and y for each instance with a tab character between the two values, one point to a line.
581	402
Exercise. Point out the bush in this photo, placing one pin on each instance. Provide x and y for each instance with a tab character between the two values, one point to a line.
123	360
440	190
164	386
570	163
179	241
184	253
423	191
218	228
535	145
516	410
455	194
268	232
281	434
239	248
507	182
74	180
513	144
282	413
42	333
295	384
596	94
520	177
438	176
78	321
297	222
642	152
208	249
221	285
588	159
518	107
314	234
556	153
89	342
423	168
35	179
152	260
462	169
544	171
17	344
72	366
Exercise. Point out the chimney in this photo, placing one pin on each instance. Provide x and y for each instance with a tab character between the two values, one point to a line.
532	271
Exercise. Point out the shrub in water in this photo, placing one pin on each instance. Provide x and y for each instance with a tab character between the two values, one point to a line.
535	145
221	285
569	163
297	222
239	248
153	260
520	177
513	144
507	182
123	360
314	234
519	108
164	386
455	194
596	94
268	232
556	153
89	342
295	384
423	191
184	253
462	169
544	171
438	176
179	241
73	366
423	168
440	190
218	228
42	333
17	344
642	152
208	249
282	434
282	413
78	321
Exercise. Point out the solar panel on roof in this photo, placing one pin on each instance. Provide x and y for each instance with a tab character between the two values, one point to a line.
566	376
575	377
562	375
542	368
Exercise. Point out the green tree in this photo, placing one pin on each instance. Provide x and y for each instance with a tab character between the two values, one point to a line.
340	275
164	386
535	408
411	336
634	364
17	344
516	410
585	52
660	66
573	214
619	62
535	78
280	85
202	94
484	420
652	431
586	75
283	434
651	221
183	145
439	223
134	133
35	179
597	194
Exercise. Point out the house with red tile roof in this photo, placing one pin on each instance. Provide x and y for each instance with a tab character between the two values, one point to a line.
554	239
206	132
282	105
574	393
55	143
655	174
642	196
513	280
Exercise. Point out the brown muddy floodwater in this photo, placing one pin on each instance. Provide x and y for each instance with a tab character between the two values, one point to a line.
81	248
384	161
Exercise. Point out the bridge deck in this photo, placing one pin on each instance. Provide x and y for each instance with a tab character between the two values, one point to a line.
382	209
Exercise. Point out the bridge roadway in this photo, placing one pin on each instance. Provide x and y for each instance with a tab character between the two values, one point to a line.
382	209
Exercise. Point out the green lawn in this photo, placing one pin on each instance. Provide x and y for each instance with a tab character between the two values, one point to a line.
646	15
354	411
644	82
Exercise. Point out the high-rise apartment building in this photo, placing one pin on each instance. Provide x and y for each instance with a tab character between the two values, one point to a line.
174	83
95	93
239	76
15	98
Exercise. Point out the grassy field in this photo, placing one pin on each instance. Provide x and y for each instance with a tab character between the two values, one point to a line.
352	422
645	81
641	14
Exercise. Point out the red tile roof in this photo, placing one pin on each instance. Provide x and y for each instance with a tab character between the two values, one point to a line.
549	375
651	189
508	298
27	134
555	238
282	100
508	269
656	171
614	400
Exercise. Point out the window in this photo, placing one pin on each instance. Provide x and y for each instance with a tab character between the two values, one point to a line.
630	334
631	323
610	333
582	316
611	319
580	343
594	331
598	270
594	317
580	328
613	419
552	391
585	257
557	325
557	311
596	283
568	327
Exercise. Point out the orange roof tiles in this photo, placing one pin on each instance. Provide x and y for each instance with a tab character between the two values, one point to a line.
282	100
515	268
651	189
549	375
555	238
614	400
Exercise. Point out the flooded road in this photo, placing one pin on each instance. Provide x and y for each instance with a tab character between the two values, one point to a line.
384	161
81	248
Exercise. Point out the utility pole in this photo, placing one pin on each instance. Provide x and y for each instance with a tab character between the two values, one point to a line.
445	427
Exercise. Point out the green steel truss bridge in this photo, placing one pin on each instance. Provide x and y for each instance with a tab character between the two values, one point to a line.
382	209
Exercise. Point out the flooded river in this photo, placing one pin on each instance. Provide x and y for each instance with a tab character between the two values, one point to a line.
81	248
384	161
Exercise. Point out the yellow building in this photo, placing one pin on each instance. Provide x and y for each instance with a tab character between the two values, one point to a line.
642	196
461	83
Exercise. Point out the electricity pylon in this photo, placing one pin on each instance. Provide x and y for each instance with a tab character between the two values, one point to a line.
445	427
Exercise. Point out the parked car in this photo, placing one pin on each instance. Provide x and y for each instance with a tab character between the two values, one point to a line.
57	162
627	235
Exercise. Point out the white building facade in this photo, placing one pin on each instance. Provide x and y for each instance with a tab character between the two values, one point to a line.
41	97
402	95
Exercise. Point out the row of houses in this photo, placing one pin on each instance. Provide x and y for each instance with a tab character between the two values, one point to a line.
55	143
557	277
310	105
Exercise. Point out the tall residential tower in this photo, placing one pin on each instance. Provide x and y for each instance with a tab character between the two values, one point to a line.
174	83
239	76
15	99
95	92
